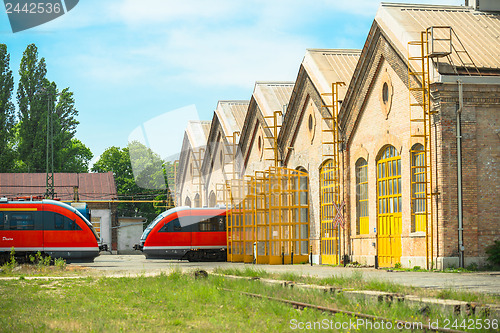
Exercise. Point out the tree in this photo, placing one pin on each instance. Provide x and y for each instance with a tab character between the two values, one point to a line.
7	154
34	94
39	98
145	162
76	157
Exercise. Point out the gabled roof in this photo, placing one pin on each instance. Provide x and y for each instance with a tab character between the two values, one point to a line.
231	115
324	67
321	68
91	186
272	96
197	132
478	31
267	98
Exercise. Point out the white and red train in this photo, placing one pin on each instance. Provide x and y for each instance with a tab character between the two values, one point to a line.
195	234
51	227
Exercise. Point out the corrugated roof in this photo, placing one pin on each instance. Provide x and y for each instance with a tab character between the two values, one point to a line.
478	31
327	66
272	96
91	186
231	115
197	132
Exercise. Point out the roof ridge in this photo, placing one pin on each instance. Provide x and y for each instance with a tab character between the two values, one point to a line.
334	50
423	5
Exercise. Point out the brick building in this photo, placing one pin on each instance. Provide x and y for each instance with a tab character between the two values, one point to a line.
424	90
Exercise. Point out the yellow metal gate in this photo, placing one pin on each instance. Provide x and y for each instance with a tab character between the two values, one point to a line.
329	233
268	217
389	222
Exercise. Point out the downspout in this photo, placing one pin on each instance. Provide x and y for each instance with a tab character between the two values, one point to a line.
461	247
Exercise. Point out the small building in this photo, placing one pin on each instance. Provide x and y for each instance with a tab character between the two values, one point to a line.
129	232
98	190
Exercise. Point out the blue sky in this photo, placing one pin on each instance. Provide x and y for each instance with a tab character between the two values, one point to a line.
132	62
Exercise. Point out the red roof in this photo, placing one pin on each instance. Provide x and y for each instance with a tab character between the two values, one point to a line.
91	186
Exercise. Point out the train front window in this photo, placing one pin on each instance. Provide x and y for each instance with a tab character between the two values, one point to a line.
151	226
171	226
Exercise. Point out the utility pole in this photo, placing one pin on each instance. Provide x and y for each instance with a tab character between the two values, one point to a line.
49	179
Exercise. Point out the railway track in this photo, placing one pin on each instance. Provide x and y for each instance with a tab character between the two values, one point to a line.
395	323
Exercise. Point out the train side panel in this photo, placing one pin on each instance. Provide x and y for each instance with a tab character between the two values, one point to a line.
67	236
184	231
48	227
21	227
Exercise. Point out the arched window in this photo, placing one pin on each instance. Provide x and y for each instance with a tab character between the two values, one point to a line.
187	202
197	202
418	182
212	200
362	197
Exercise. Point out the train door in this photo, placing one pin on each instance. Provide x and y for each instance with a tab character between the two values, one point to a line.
59	230
175	232
389	222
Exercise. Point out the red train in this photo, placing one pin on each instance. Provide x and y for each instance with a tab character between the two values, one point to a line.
195	234
51	227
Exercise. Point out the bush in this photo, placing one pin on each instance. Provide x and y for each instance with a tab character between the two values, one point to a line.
397	265
11	264
41	261
60	263
493	252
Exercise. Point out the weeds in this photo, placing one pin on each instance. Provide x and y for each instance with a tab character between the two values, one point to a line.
40	261
9	266
60	263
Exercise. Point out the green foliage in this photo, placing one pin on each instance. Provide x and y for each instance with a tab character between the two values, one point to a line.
144	181
40	261
76	157
493	252
23	141
7	155
34	94
397	265
11	264
60	263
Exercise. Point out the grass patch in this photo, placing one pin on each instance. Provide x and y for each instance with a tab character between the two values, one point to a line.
356	281
174	303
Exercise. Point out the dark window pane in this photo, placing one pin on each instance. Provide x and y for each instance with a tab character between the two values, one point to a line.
58	221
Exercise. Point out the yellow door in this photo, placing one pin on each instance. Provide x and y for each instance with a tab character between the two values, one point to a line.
389	222
329	233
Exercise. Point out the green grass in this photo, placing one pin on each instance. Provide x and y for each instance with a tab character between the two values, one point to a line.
356	281
170	303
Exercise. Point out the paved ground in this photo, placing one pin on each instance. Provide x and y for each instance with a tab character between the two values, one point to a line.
129	265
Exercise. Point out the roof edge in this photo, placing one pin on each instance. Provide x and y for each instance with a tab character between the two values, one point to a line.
423	5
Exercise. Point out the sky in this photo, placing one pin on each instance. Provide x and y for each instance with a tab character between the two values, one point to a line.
139	69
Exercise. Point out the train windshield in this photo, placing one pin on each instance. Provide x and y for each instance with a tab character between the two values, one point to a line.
80	215
152	225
